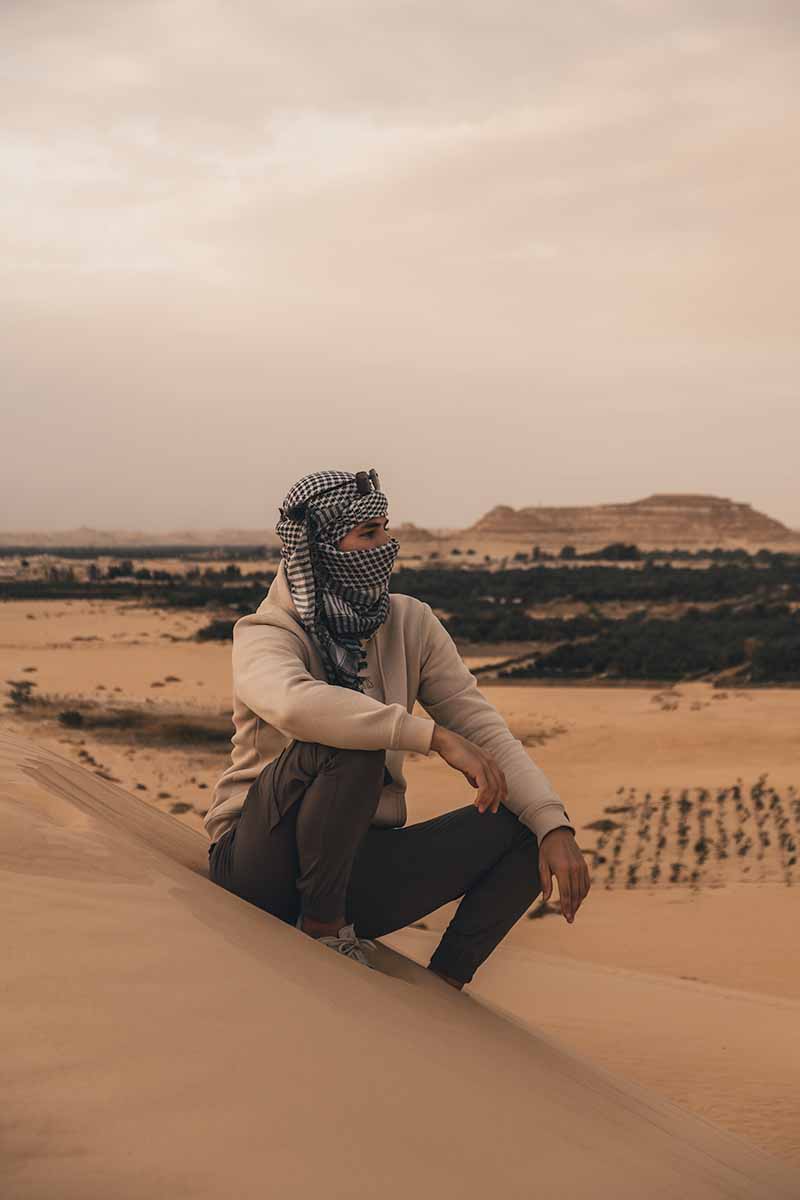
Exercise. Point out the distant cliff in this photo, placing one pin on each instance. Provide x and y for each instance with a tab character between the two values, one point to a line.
664	520
407	531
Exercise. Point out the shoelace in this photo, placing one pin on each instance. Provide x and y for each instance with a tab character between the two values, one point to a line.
353	947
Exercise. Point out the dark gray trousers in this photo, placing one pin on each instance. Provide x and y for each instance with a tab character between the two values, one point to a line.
304	840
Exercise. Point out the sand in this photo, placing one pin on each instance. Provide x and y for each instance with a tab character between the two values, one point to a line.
164	1038
690	991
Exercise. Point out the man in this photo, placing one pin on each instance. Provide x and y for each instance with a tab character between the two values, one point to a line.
309	819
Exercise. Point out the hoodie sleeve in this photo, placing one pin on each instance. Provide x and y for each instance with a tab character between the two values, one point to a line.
270	676
449	693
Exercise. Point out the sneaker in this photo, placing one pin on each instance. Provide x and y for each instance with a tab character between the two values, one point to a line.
347	943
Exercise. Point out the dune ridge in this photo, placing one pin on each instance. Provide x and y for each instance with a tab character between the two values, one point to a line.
164	1037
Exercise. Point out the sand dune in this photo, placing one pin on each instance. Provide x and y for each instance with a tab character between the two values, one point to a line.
164	1038
728	1055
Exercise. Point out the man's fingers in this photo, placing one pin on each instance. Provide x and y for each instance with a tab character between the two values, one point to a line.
489	785
546	879
586	882
576	884
565	894
499	786
501	790
482	800
580	885
492	786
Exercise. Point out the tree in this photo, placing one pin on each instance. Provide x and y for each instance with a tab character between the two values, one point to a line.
620	552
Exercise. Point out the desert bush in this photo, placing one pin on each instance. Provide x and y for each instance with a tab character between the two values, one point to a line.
219	630
20	692
71	717
758	819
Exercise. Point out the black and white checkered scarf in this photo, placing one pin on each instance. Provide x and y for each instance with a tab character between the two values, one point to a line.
342	596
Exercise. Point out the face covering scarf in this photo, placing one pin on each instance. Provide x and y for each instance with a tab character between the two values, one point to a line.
342	596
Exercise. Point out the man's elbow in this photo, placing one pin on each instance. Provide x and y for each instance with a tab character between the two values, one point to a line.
274	708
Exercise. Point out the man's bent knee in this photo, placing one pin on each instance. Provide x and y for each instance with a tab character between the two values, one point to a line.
519	830
359	760
353	761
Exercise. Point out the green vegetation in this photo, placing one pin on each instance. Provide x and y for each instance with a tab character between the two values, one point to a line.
698	643
458	590
728	833
734	612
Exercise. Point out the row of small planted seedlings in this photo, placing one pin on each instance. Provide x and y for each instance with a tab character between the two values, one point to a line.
676	839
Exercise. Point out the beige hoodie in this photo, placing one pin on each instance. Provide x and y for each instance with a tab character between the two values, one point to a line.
280	693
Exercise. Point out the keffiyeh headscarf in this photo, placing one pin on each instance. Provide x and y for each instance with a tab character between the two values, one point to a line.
342	596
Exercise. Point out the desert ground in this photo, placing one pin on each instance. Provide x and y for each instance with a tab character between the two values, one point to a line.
689	986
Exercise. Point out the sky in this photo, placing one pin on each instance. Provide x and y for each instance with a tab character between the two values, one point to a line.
509	252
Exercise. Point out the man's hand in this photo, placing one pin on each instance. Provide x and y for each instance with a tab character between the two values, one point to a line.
558	851
559	855
477	765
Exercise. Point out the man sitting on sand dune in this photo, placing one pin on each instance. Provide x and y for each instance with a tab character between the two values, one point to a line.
308	821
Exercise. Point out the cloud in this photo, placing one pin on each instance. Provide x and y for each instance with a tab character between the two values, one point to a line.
315	199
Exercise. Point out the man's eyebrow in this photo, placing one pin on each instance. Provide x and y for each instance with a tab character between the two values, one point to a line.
369	524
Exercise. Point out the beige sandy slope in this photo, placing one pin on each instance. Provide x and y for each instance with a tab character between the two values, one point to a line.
162	1037
730	1056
